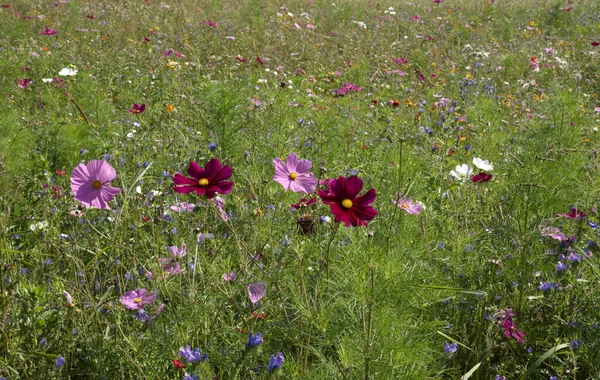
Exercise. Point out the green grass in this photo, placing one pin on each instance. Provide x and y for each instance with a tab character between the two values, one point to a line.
367	302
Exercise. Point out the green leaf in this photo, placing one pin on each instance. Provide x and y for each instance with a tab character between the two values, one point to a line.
471	371
543	357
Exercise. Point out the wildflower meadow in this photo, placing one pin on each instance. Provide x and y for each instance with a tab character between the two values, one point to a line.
300	189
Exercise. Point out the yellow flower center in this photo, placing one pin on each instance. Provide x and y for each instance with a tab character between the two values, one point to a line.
293	176
347	203
96	185
137	300
404	205
203	182
462	175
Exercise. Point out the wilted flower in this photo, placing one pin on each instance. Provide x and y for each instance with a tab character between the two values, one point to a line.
345	204
90	183
208	181
294	174
68	298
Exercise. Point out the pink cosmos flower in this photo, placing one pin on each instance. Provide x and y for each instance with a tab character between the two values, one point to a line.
170	266
208	181
136	299
90	183
256	291
48	32
138	108
294	174
407	205
348	87
554	233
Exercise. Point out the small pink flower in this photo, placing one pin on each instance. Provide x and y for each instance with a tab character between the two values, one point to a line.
228	277
310	26
183	207
554	233
48	32
176	251
136	299
256	291
407	205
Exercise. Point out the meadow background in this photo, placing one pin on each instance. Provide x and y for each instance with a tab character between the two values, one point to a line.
398	93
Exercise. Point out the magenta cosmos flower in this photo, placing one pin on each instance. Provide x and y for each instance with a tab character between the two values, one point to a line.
90	184
294	174
138	108
48	32
208	181
136	299
345	204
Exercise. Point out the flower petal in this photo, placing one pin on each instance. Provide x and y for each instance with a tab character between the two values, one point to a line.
292	162
194	170
353	186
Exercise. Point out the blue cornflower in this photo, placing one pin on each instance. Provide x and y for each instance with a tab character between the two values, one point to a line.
560	266
545	286
212	146
275	361
450	348
575	343
60	361
192	356
254	340
553	378
186	376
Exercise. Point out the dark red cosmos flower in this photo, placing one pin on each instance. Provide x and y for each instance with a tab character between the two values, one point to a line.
208	181
138	108
177	363
345	204
259	60
573	214
595	43
481	177
303	203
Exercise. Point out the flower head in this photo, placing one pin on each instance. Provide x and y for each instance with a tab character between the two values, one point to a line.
511	331
256	291
227	277
48	32
176	251
481	177
450	348
275	361
345	204
573	214
90	183
407	204
60	361
138	108
136	299
254	340
294	174
23	83
183	207
67	72
208	181
462	172
554	233
192	356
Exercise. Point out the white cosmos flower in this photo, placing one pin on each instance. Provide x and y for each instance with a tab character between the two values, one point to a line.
67	72
462	172
47	80
483	164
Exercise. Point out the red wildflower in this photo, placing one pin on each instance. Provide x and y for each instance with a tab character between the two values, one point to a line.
595	43
481	177
241	59
177	363
208	181
138	108
303	203
259	60
259	316
573	214
345	204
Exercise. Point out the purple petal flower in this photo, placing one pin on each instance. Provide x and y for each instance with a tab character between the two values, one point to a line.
275	361
256	291
136	299
254	340
176	251
407	205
